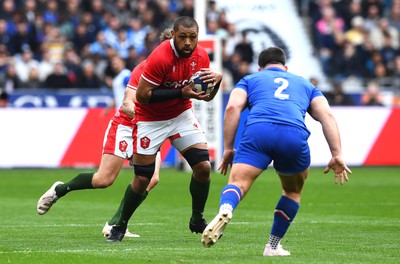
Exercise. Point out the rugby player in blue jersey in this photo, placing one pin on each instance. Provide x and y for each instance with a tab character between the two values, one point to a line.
275	131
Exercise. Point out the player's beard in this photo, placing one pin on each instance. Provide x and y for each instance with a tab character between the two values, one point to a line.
183	54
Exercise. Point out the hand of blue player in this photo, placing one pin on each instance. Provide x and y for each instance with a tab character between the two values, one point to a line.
339	168
227	159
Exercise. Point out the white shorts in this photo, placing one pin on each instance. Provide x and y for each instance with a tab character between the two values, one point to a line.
183	131
118	140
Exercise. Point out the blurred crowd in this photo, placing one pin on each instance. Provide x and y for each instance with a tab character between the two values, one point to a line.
64	44
356	40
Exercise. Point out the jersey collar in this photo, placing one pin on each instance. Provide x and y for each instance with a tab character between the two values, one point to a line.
171	42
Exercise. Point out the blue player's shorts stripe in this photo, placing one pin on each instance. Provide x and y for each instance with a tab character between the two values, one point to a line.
286	146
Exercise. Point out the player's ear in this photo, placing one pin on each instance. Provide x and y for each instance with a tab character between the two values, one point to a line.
259	69
286	68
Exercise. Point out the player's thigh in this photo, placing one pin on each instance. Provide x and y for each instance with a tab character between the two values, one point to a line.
187	132
110	166
243	175
292	185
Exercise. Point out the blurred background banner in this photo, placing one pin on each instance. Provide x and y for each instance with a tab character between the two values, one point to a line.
73	137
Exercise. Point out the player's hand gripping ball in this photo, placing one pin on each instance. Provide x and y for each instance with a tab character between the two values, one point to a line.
199	85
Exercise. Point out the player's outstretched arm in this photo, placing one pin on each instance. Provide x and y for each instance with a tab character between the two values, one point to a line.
321	111
236	104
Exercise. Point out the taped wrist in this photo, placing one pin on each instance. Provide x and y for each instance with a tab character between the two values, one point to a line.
162	95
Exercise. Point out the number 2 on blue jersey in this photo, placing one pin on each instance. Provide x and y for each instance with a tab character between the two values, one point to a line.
278	92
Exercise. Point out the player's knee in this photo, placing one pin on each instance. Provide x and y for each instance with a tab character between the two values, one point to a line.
102	181
145	170
194	156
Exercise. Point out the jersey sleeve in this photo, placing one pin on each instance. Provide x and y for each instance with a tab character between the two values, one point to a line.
135	75
156	66
315	93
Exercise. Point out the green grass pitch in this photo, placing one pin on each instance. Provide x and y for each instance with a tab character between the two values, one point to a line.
355	223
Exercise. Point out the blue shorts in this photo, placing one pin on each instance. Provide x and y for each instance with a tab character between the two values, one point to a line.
286	146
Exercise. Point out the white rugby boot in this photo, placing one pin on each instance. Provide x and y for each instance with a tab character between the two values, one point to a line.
48	199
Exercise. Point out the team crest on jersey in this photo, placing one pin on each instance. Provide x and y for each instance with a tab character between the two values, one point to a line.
145	142
123	145
195	125
193	64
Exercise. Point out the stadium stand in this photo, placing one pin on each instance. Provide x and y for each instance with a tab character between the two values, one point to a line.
355	41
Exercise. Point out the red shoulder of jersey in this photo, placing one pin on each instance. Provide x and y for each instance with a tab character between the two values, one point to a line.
135	75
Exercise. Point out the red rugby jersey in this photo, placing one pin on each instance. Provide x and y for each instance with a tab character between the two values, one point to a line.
166	70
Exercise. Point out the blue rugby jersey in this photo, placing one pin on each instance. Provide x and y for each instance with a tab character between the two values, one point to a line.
277	96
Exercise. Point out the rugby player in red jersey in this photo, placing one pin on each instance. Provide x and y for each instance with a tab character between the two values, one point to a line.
164	112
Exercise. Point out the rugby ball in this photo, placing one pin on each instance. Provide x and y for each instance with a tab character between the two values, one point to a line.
199	85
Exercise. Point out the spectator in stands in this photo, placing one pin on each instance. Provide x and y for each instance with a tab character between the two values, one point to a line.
33	81
329	29
377	34
54	41
388	52
187	8
29	8
137	34
45	67
80	38
88	79
24	63
8	7
372	18
348	62
394	15
99	46
133	59
11	81
381	75
52	12
372	96
58	79
92	27
97	9
122	44
23	36
111	30
338	97
4	35
72	64
348	10
366	4
121	9
212	12
355	35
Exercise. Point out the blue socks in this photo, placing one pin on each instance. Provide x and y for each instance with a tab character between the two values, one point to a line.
230	197
285	211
